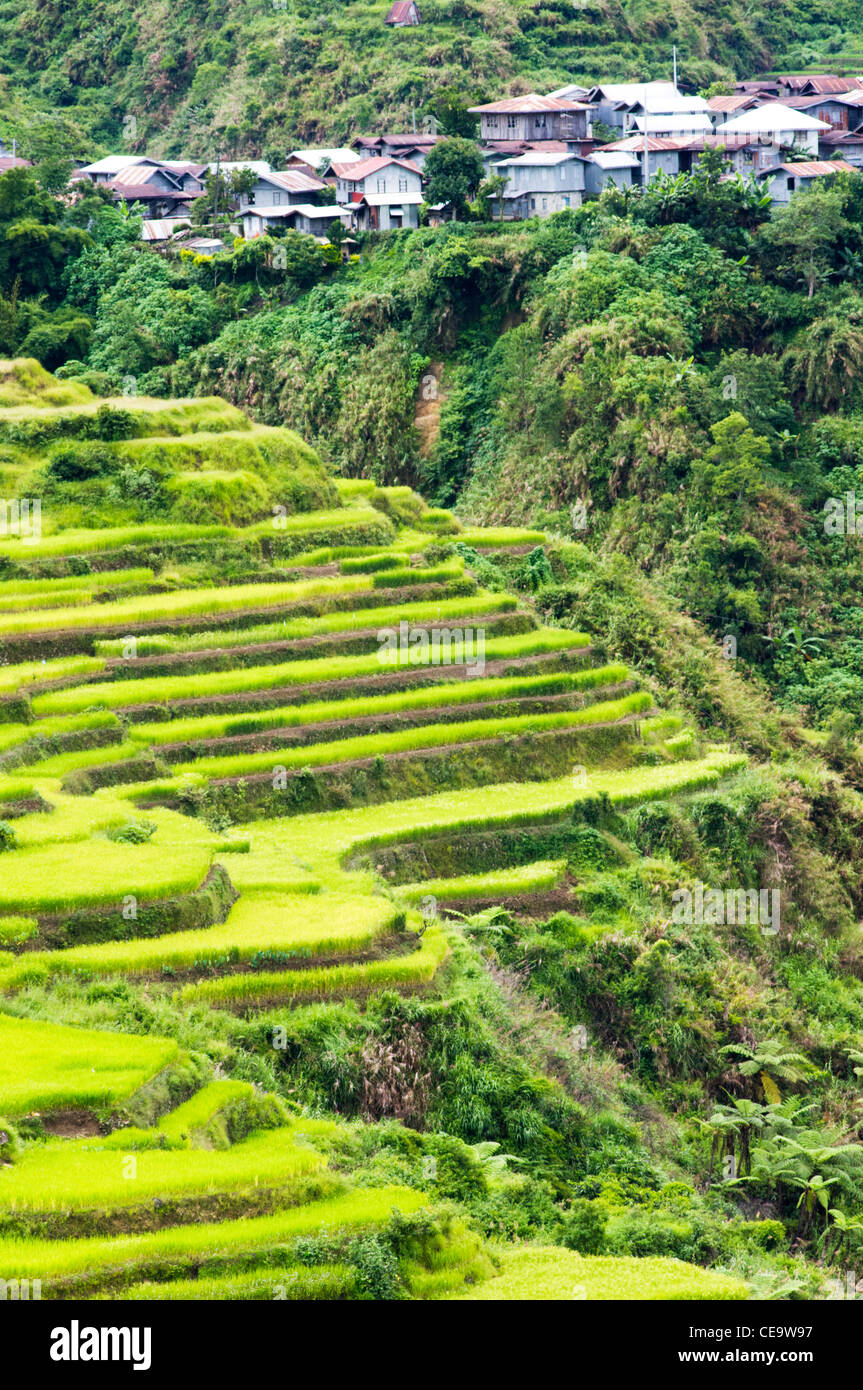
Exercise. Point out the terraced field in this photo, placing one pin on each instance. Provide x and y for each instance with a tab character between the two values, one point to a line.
216	737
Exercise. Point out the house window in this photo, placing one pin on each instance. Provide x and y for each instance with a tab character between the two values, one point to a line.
277	198
512	122
544	204
532	203
566	200
562	172
382	185
403	185
492	120
539	122
251	198
792	184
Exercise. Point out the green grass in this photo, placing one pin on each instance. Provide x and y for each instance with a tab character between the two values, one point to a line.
124	1256
425	736
160	689
550	1273
44	1066
417	968
179	1126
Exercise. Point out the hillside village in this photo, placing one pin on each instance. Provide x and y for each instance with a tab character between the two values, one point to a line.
541	154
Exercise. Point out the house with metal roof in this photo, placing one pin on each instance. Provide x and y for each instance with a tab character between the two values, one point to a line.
776	125
534	118
302	217
782	181
606	166
539	184
402	14
613	101
384	193
413	147
841	110
281	189
665	154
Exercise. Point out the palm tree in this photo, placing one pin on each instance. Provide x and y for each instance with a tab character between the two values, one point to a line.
770	1059
815	1193
734	1127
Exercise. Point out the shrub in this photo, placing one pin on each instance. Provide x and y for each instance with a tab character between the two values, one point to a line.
584	1227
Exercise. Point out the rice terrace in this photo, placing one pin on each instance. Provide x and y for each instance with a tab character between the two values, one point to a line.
320	849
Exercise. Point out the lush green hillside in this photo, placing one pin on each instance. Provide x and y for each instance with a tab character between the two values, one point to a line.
336	917
262	76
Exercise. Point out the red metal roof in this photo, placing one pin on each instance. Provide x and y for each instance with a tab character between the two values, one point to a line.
529	104
401	12
826	84
735	102
361	168
140	192
812	168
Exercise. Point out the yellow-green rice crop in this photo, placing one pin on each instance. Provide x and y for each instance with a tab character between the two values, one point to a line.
417	968
295	925
417	612
182	603
50	879
424	697
55	1260
551	1273
159	689
424	736
45	1066
75	1175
